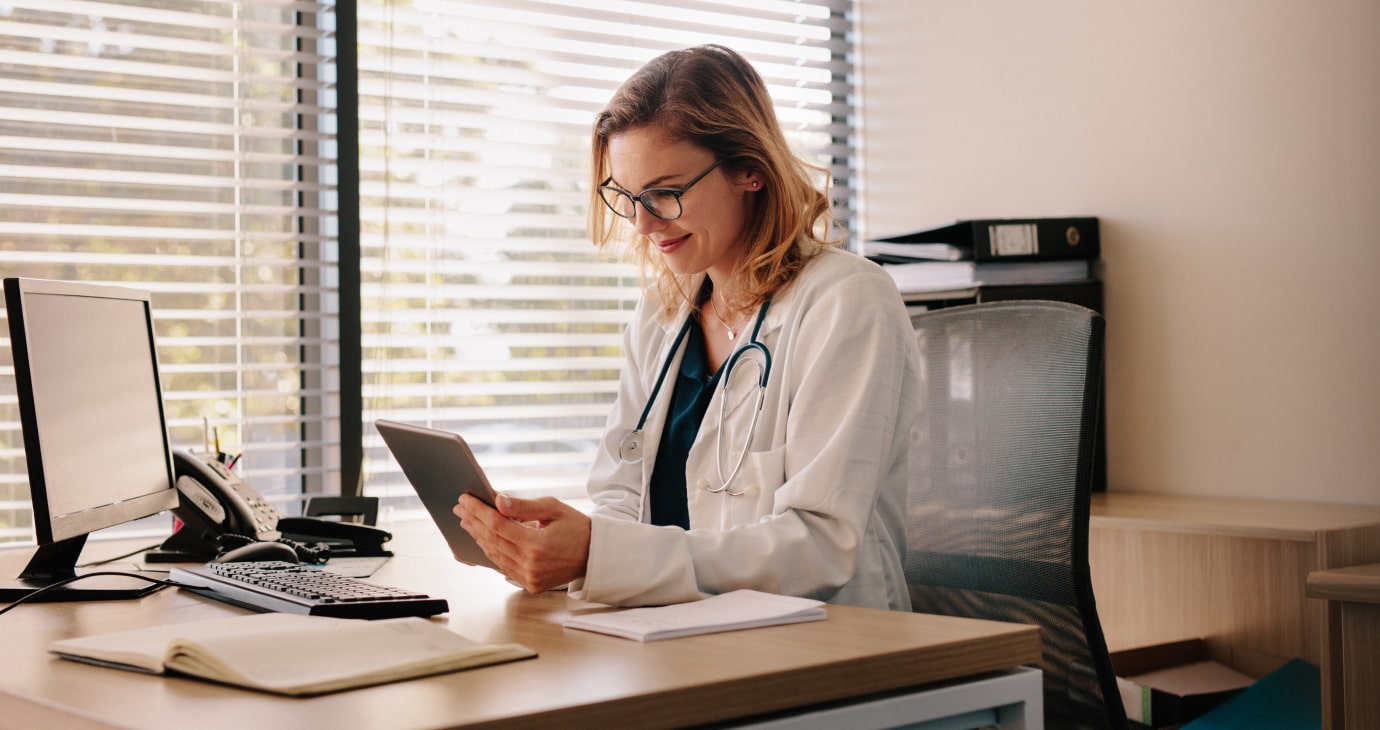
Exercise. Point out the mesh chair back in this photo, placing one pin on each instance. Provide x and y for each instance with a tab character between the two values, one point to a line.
1000	483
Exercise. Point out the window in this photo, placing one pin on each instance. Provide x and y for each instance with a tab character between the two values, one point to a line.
485	308
184	147
189	147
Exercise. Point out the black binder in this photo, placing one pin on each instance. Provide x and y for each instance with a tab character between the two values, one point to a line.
1016	239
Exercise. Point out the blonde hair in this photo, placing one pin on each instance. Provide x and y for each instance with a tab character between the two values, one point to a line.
711	96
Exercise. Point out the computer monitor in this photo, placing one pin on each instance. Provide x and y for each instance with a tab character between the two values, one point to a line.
95	440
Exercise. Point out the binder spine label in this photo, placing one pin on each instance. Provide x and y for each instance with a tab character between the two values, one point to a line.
1013	239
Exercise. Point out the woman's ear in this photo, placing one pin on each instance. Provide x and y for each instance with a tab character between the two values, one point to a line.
751	182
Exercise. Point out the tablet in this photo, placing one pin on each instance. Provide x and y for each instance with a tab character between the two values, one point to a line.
441	467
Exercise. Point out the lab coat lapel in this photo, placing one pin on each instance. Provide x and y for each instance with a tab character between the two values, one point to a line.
656	418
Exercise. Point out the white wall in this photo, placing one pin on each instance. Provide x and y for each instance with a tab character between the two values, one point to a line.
1231	149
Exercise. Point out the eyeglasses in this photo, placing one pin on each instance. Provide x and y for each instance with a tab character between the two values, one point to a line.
663	203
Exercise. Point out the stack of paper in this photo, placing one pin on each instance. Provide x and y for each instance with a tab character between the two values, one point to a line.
743	609
927	276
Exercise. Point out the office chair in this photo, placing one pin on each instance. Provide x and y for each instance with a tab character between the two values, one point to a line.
1000	483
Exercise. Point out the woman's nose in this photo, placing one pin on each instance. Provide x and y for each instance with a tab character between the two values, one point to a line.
644	222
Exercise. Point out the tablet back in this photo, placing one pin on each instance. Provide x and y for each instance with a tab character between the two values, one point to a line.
440	467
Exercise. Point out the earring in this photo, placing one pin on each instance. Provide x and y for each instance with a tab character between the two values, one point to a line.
755	184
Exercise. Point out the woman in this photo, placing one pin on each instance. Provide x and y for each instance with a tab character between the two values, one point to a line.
805	497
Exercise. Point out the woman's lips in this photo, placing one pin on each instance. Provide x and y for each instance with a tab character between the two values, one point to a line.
671	244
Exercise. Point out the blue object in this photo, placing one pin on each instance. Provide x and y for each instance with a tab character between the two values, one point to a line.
1289	698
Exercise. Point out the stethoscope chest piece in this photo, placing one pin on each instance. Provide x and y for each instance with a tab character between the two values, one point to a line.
630	449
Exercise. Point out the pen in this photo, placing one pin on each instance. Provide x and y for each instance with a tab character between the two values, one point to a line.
221	456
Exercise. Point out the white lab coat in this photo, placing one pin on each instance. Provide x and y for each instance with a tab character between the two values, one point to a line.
826	474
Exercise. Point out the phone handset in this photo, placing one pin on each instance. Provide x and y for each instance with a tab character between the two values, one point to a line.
219	511
213	502
204	480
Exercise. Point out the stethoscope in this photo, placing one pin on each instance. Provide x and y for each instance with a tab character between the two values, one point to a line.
630	449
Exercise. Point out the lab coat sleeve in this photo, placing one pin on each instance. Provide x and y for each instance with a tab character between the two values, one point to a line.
840	365
616	487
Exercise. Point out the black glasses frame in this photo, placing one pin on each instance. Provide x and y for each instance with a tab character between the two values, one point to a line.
637	199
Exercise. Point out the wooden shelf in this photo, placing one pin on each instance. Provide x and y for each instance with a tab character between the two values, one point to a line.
1248	518
1357	584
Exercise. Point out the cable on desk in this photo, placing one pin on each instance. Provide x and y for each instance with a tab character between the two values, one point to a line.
52	586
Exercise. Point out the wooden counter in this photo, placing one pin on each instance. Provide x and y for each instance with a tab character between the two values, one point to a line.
1168	567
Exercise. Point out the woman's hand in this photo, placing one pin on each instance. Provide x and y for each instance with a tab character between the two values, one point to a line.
538	543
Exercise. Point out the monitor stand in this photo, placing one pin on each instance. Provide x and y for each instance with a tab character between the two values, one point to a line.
57	561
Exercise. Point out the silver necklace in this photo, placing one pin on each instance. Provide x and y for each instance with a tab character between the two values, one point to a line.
714	310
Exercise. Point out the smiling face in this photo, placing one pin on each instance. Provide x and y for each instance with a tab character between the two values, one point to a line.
709	234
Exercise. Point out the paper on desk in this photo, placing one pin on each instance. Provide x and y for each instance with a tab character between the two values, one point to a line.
742	609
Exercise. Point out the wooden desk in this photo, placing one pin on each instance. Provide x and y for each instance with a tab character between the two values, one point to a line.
1355	593
580	679
1168	567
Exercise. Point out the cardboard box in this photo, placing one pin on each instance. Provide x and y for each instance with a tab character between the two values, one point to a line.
1166	685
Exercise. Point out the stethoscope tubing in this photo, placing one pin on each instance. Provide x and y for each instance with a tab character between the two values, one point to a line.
630	450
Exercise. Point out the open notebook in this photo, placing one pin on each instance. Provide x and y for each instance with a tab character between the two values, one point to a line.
291	654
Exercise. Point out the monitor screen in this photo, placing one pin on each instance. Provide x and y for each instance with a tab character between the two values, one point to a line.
95	442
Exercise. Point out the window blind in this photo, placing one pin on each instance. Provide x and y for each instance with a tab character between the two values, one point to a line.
486	310
185	147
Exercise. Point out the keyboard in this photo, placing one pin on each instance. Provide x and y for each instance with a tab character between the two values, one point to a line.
291	588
